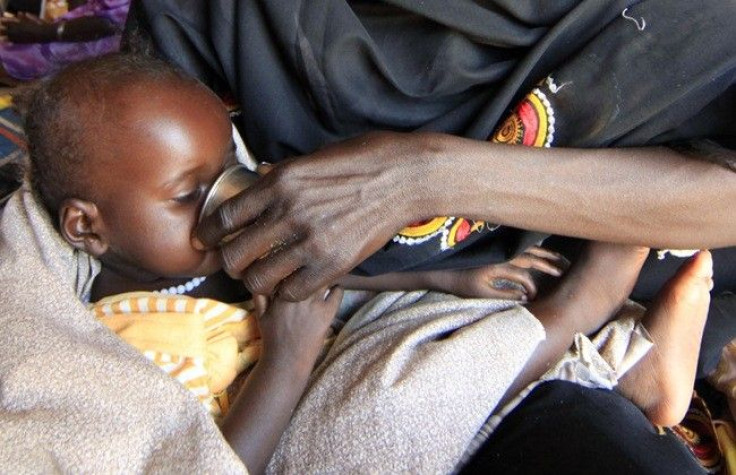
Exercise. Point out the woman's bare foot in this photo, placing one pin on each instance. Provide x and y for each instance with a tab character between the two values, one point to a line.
661	384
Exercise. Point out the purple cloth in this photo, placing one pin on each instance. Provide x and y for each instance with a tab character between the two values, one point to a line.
31	61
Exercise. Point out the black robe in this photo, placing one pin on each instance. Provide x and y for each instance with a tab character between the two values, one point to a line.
563	73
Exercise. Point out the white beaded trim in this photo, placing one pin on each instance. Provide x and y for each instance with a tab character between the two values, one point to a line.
183	288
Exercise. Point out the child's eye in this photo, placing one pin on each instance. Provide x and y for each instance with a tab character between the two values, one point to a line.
191	196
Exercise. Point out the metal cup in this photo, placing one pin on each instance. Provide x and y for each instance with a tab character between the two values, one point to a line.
230	182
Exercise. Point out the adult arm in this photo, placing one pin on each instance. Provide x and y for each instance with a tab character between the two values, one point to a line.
27	28
312	220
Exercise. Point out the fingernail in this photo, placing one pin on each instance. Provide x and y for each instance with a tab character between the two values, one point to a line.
263	168
197	244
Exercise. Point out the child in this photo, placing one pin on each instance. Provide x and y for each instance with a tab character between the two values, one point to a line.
156	175
122	161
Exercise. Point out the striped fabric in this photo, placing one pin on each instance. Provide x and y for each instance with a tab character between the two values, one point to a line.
204	344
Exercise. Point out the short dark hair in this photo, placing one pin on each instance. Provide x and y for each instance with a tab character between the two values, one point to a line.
56	111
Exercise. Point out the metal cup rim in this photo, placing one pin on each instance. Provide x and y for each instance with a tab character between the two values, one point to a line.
212	192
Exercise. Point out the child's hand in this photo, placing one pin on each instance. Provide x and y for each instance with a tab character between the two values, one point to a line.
513	280
293	333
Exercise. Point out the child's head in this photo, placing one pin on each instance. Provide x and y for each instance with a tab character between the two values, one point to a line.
122	151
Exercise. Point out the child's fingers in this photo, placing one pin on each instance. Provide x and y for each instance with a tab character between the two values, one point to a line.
543	260
511	277
333	294
332	299
263	168
551	256
505	293
542	265
260	303
530	261
29	17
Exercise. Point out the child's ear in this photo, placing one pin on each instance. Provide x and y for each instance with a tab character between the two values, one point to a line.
81	225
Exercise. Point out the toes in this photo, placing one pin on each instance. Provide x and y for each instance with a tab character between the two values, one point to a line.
700	267
692	284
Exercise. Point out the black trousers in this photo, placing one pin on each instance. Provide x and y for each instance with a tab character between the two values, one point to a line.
564	428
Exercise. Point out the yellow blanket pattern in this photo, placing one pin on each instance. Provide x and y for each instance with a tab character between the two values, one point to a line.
202	343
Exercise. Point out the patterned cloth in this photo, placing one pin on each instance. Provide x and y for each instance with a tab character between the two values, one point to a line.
11	133
724	377
12	148
698	432
415	66
202	343
35	60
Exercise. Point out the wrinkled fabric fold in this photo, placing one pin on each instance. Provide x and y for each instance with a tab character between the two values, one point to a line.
74	397
626	73
413	380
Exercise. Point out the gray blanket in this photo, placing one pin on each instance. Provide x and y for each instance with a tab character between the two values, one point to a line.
73	397
408	385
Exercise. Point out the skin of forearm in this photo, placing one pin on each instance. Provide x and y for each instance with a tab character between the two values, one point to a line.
648	196
388	282
85	29
262	411
558	339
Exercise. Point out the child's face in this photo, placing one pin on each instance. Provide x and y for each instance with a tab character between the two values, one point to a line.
165	149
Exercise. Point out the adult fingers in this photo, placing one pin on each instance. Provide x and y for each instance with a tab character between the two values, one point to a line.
7	24
30	17
306	279
265	274
231	216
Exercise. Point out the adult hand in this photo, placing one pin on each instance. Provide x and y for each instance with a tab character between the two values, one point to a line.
26	28
311	220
